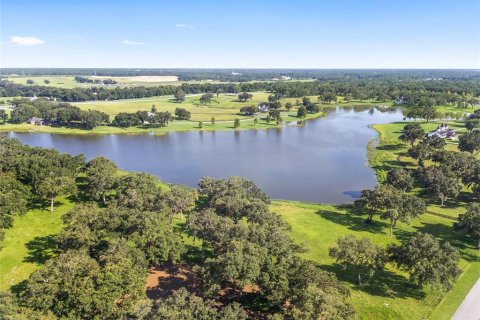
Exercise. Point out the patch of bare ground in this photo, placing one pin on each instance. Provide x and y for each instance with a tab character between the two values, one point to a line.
163	280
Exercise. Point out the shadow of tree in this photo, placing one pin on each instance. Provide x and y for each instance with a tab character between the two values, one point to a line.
18	288
390	147
383	283
353	221
445	233
40	249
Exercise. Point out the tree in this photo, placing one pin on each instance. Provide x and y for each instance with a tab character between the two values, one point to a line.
22	112
3	116
219	91
255	121
244	96
421	153
428	112
139	191
154	109
200	124
472	124
288	106
469	222
400	179
125	120
54	186
179	96
361	254
371	202
206	98
401	206
411	133
30	81
470	141
14	198
268	119
426	260
212	121
46	81
182	305
302	112
248	110
313	108
74	285
101	177
306	101
182	114
236	123
180	199
440	182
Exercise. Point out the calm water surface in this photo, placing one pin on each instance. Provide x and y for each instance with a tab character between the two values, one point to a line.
323	161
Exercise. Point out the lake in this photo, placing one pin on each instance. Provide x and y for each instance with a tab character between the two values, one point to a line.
323	161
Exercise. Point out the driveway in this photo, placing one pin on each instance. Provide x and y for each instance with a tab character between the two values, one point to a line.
470	307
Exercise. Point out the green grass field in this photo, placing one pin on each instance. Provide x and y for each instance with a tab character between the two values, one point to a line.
225	110
68	82
387	295
25	247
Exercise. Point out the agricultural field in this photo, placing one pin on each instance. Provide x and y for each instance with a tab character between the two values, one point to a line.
69	82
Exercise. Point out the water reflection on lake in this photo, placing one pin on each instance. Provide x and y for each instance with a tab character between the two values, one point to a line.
323	161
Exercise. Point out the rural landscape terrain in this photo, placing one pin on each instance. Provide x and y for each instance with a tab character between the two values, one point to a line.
264	160
217	242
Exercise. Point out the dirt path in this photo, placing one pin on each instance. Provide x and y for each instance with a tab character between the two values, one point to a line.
470	307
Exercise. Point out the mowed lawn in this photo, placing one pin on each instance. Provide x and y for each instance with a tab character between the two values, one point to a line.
28	244
225	107
388	294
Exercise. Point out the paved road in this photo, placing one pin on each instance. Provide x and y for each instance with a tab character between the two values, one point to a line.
470	307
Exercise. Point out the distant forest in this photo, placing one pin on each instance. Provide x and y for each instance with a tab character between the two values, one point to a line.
412	87
243	75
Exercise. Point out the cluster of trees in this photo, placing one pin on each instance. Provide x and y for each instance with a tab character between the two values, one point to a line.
80	79
56	114
145	118
420	256
442	179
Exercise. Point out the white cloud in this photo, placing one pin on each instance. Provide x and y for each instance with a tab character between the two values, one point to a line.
26	41
184	26
132	43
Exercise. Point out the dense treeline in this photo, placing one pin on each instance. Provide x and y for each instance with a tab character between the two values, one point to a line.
243	75
407	91
56	114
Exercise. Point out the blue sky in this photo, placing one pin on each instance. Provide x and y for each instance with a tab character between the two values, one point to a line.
240	34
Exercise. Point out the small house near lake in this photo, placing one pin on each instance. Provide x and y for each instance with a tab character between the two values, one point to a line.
263	107
36	121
